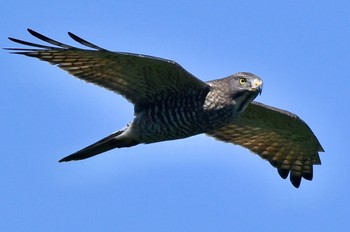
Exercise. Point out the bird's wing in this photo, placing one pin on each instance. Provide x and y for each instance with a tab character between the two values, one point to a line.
139	78
278	136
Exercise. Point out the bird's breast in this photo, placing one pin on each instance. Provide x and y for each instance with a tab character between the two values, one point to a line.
171	118
178	117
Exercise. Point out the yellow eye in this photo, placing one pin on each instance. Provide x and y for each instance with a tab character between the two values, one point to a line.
242	81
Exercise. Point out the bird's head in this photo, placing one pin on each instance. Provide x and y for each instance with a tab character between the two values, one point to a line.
245	82
244	87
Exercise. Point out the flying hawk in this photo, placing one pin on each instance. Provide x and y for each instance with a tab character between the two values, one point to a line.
170	103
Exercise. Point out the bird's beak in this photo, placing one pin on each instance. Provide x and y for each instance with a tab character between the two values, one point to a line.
257	85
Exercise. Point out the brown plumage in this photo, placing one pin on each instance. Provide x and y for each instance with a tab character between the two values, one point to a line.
170	103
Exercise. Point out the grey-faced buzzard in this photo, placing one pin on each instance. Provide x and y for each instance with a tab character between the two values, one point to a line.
170	103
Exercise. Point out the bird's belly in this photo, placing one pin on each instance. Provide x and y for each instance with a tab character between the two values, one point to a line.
157	125
168	125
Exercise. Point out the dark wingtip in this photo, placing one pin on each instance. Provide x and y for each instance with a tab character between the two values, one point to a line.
320	149
71	34
308	176
283	173
296	180
84	42
31	30
12	39
34	33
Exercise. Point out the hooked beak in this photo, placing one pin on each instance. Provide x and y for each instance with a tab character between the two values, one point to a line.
257	85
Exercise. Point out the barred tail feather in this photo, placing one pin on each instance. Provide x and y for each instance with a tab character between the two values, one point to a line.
110	142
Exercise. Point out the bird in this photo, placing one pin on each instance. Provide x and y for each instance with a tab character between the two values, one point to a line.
170	103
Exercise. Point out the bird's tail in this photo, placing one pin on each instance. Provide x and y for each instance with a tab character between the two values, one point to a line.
105	144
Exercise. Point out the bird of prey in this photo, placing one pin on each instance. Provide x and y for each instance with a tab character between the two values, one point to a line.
170	103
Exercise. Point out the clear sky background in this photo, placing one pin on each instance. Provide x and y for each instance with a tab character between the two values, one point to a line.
301	49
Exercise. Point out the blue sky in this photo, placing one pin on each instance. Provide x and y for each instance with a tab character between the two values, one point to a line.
300	49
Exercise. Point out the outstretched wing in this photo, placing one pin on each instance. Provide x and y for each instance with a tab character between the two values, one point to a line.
278	136
139	78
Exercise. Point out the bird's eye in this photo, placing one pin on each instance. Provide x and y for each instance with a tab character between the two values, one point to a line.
242	81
